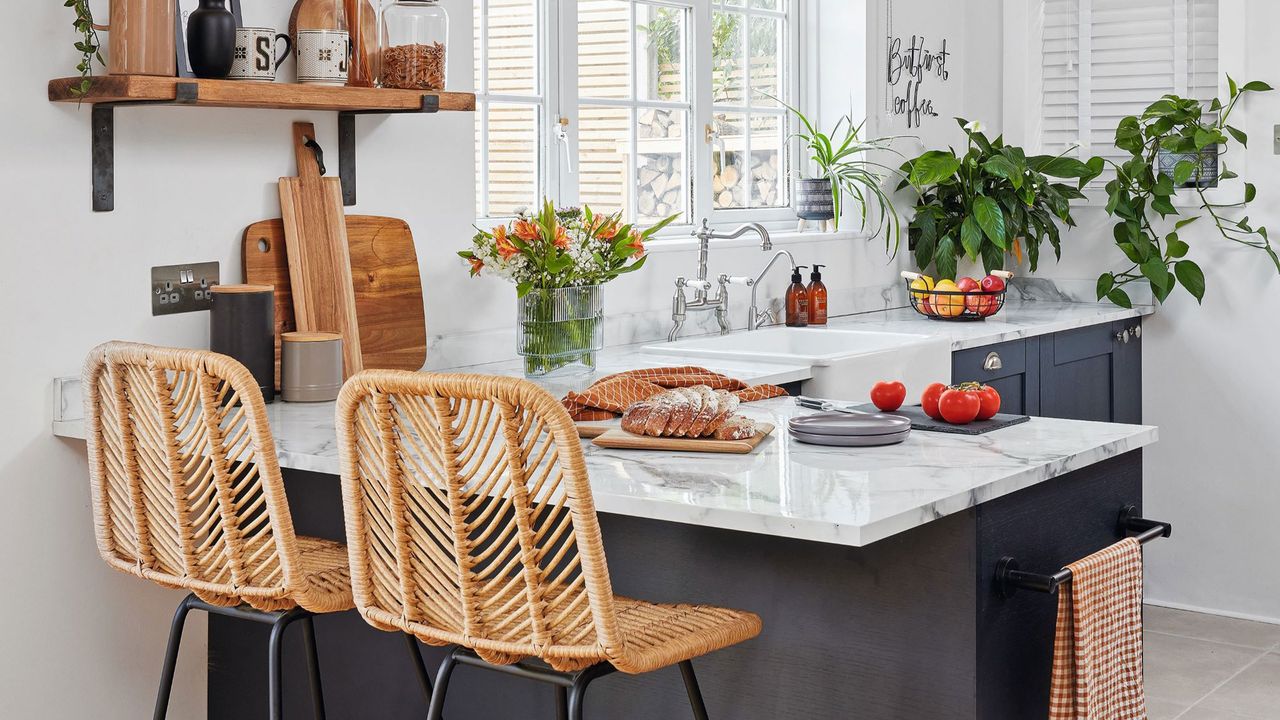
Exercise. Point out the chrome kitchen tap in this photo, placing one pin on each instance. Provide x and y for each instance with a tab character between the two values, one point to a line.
754	316
702	301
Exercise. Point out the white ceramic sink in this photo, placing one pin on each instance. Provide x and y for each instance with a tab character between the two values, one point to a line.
844	363
813	346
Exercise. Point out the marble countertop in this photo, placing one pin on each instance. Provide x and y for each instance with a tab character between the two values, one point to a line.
848	496
835	495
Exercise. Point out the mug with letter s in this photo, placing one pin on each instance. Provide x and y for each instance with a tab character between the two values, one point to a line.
323	56
256	57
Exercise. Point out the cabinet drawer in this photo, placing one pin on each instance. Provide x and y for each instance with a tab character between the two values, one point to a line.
1005	359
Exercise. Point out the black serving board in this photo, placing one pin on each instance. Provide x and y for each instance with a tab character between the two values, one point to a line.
920	421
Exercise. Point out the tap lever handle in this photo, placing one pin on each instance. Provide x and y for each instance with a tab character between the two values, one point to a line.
698	284
737	280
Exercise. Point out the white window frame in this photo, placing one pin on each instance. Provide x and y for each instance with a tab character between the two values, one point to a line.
1022	88
559	90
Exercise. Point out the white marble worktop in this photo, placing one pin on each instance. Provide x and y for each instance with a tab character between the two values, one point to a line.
852	496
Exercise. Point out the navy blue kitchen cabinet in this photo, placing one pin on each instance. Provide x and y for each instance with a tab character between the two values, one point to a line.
1090	373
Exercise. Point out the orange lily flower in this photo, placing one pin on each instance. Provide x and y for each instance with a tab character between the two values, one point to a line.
476	266
527	230
604	228
562	238
505	247
637	244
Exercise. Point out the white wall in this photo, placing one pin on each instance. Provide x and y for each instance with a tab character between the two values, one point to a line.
80	640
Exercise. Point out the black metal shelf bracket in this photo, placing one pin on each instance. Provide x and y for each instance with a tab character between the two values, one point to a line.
347	141
1009	578
103	147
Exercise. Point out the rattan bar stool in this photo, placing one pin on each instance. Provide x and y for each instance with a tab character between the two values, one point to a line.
470	522
187	493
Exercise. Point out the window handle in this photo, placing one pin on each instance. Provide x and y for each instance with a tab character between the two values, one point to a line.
562	135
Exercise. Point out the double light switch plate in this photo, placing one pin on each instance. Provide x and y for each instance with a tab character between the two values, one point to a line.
182	288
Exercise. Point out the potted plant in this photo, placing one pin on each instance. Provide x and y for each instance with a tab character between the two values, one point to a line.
89	47
559	259
844	168
1173	144
990	202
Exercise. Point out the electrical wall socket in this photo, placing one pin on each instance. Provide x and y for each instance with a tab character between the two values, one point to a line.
182	288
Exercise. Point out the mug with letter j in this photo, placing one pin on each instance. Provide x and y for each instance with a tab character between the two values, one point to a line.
323	56
256	56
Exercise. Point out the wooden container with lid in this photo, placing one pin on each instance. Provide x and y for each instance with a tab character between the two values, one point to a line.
310	366
242	325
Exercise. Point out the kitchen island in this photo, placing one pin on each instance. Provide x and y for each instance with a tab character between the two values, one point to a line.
872	568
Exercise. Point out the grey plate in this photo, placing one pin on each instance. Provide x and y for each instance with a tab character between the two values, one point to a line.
851	440
846	425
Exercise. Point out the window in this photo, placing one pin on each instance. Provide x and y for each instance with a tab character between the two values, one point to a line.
651	107
1102	60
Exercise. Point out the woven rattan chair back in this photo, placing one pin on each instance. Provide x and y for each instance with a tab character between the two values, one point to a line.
186	484
470	519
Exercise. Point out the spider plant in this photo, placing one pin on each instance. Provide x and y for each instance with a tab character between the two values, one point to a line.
843	157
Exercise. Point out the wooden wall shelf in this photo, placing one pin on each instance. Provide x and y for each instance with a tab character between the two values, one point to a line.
112	91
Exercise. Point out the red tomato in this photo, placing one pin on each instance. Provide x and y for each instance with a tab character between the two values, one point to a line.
959	407
888	396
990	398
929	400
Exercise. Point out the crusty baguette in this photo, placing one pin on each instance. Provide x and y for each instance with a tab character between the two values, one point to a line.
636	417
710	409
664	407
686	419
737	427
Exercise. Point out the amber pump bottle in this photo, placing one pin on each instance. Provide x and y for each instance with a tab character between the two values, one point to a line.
797	300
817	297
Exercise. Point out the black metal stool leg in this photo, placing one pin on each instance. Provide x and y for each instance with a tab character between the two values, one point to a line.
695	693
419	666
442	686
578	690
275	675
562	703
171	658
313	666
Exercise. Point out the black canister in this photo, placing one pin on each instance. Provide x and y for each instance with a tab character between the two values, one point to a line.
242	325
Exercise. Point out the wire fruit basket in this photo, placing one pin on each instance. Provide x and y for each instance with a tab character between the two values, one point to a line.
954	305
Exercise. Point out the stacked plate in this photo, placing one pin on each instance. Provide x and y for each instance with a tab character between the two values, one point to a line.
850	430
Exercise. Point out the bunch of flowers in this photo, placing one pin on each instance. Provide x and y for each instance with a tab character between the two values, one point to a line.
560	248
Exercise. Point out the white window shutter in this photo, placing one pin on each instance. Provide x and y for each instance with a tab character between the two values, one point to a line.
1103	60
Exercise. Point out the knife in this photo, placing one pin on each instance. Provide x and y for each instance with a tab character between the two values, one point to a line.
827	406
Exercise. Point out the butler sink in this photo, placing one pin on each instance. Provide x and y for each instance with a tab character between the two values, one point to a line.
844	363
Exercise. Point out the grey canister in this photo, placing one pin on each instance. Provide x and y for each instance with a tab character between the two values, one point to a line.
310	366
242	325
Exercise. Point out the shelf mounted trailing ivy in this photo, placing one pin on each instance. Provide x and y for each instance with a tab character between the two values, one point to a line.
1141	195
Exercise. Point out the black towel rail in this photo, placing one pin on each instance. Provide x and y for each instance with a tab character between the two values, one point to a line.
1009	578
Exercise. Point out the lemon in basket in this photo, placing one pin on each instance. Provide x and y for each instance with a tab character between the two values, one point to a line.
921	290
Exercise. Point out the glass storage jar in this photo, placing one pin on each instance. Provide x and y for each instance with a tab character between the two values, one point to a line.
414	36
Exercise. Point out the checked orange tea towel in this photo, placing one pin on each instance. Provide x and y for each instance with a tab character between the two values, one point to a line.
608	397
1097	653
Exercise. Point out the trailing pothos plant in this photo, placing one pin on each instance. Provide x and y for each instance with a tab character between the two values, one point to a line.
990	202
1141	191
89	47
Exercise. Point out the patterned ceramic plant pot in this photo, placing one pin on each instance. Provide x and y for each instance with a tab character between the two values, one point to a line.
813	199
1207	160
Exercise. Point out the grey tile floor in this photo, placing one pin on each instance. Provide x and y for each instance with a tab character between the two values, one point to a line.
1206	667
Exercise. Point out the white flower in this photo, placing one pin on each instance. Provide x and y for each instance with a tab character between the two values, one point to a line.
973	126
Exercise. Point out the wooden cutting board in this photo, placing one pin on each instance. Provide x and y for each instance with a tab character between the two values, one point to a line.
623	440
384	273
315	232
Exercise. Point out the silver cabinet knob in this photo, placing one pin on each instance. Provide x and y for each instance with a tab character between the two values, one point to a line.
1137	331
1123	336
993	362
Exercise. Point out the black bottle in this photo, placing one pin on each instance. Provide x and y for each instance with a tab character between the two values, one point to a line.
211	39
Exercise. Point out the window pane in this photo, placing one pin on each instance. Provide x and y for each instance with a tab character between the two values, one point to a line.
662	186
766	67
512	35
660	48
766	4
726	58
513	158
604	147
604	49
767	173
728	153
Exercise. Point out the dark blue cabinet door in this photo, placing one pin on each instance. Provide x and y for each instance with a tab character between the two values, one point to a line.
1093	373
1012	368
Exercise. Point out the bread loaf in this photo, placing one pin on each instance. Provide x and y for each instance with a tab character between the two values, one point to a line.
695	412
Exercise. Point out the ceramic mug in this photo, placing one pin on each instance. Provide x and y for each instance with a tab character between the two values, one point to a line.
256	57
322	56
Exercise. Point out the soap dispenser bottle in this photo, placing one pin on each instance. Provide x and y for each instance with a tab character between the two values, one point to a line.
797	300
817	297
